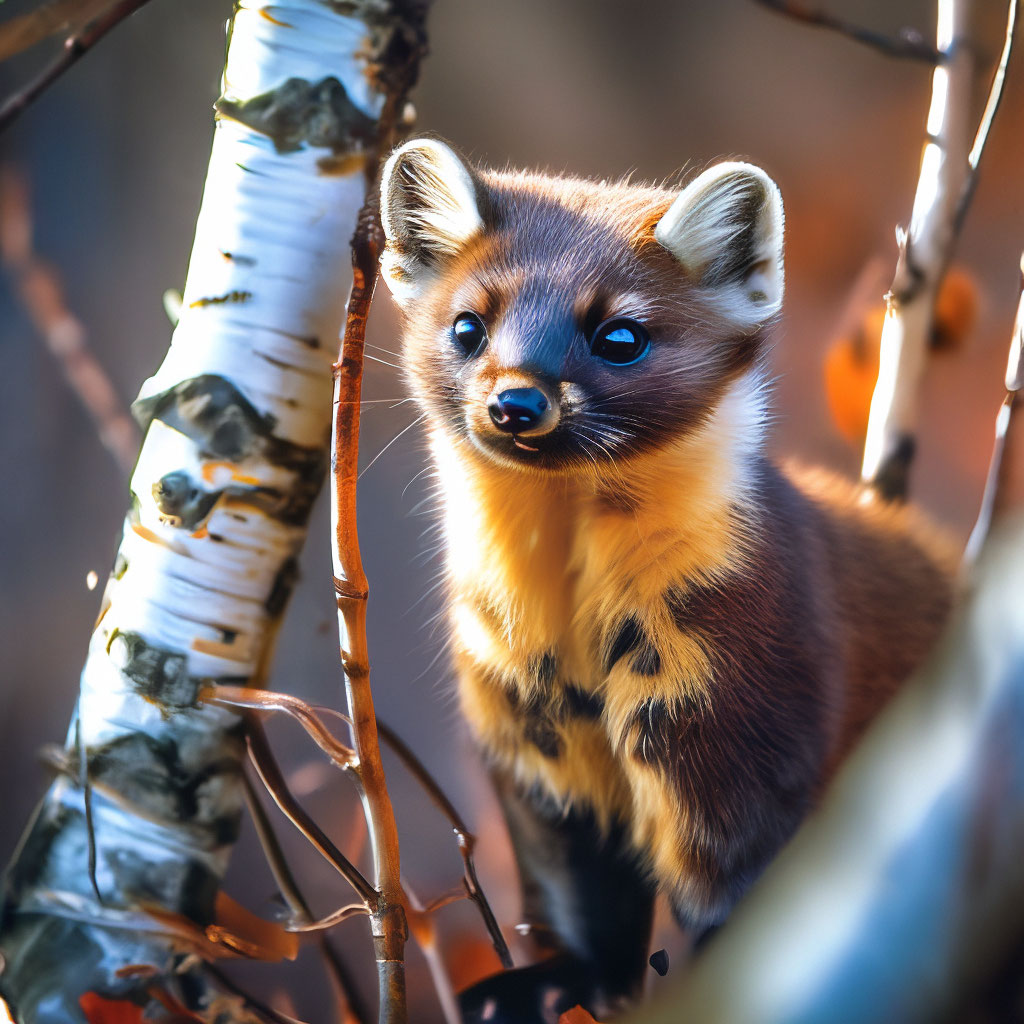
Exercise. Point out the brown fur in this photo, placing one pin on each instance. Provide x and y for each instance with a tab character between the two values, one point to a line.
652	624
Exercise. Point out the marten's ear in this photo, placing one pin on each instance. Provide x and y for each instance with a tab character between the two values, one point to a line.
725	228
428	207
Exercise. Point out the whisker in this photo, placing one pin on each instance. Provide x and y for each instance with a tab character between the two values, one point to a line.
404	430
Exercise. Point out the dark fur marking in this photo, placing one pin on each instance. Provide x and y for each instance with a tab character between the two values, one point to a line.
542	734
627	638
647	660
746	763
630	638
544	668
579	703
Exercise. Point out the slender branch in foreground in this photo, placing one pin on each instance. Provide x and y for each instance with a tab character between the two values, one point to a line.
908	44
388	919
351	1007
40	292
267	768
75	47
463	836
995	482
924	252
267	701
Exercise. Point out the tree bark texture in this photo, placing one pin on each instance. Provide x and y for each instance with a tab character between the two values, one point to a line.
117	880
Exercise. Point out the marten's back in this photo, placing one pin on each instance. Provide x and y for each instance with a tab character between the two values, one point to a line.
890	584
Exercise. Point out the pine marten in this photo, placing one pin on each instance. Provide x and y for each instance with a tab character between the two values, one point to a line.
664	642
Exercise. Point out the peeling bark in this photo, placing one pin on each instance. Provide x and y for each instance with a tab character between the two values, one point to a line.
125	869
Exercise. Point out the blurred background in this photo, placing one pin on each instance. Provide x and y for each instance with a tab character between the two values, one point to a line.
115	155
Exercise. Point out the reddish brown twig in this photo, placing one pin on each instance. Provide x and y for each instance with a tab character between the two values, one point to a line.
75	47
351	1008
908	44
390	928
465	839
268	701
266	766
40	292
389	925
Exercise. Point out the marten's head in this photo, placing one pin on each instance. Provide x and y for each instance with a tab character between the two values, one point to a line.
560	323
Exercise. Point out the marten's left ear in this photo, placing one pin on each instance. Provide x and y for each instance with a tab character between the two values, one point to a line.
725	228
429	210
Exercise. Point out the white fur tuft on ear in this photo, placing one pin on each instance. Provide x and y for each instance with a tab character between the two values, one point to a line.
429	211
726	229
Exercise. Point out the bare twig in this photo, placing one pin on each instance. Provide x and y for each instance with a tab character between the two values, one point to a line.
996	470
463	836
909	44
75	46
266	766
351	1005
424	931
388	919
995	97
24	31
265	701
40	292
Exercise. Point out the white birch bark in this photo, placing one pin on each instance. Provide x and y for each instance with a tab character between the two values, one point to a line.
924	250
238	423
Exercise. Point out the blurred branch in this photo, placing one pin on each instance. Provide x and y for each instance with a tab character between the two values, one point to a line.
997	482
924	250
902	898
909	44
37	286
995	98
75	47
49	19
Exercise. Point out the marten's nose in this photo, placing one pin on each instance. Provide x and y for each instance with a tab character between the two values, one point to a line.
519	410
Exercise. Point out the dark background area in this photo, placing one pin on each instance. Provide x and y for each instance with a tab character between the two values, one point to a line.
116	156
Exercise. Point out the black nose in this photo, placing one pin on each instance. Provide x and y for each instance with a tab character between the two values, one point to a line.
517	410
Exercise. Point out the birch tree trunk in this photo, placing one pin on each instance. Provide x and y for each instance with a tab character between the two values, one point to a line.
924	251
126	871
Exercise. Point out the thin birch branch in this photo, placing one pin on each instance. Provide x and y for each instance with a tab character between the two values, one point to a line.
307	715
270	775
924	251
41	295
992	104
998	465
24	31
908	44
75	47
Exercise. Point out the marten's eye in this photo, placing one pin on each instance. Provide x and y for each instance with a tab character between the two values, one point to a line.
620	341
469	333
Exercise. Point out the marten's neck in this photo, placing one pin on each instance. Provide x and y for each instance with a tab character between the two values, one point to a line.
539	553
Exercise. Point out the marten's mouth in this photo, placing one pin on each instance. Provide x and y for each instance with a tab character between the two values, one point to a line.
523	445
559	451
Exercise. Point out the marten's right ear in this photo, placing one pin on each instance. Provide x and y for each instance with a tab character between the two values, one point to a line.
429	210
